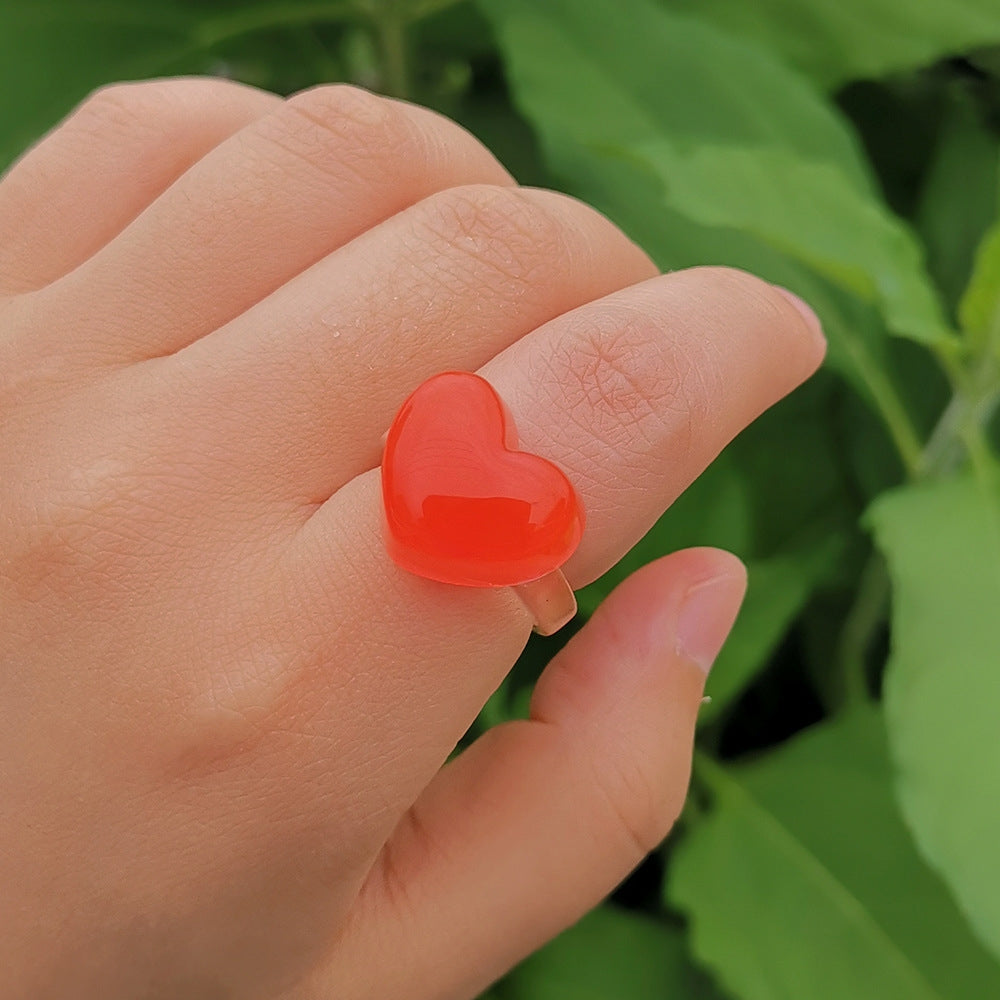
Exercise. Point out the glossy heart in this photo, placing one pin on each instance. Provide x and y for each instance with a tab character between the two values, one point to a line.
462	504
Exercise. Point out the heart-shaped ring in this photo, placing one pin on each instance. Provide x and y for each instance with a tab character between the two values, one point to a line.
464	506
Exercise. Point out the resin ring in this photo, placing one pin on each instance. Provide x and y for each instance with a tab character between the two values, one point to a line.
464	506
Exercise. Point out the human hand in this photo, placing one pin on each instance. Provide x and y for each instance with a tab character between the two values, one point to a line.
225	710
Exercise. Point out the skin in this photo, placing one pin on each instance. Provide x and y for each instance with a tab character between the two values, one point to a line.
225	711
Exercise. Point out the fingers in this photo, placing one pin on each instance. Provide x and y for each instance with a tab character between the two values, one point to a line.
538	820
448	283
276	197
90	177
633	396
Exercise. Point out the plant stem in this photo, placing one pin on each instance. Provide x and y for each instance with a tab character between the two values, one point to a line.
388	19
860	625
419	9
970	409
900	427
897	421
390	23
958	434
275	15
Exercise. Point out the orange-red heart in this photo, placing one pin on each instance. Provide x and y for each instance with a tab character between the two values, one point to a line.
462	504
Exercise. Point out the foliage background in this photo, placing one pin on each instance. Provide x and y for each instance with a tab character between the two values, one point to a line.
841	840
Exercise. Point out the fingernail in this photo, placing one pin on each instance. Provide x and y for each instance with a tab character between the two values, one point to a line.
806	312
706	615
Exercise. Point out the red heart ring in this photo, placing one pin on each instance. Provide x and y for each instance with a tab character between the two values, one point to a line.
462	504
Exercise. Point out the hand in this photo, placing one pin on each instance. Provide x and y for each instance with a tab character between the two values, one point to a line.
225	711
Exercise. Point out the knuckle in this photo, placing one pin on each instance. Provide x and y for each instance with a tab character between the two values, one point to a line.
121	106
167	106
64	530
111	108
32	373
515	238
118	94
594	233
341	105
339	125
92	504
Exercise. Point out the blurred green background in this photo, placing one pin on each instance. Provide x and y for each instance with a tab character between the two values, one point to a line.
842	839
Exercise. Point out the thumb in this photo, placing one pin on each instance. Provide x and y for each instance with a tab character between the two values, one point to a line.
540	819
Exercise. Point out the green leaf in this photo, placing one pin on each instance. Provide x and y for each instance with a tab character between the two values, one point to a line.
714	510
942	685
809	211
799	483
618	72
777	591
611	954
958	199
839	40
858	348
803	881
53	53
979	309
785	514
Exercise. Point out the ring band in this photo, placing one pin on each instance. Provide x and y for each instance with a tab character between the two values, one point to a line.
550	600
464	506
